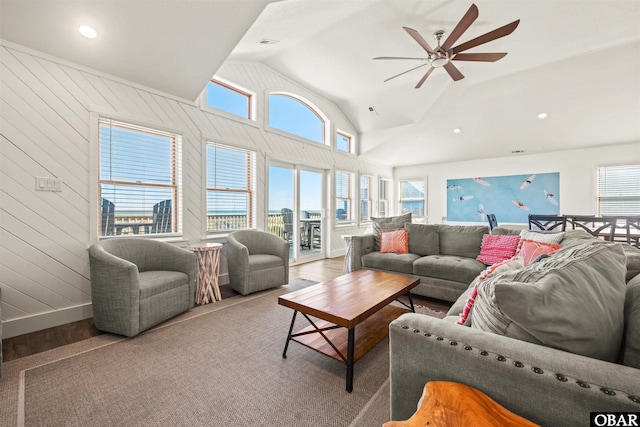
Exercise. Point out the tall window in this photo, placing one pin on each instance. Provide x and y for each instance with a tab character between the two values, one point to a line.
138	179
619	190
365	198
294	116
230	188
228	98
412	197
344	185
383	198
343	142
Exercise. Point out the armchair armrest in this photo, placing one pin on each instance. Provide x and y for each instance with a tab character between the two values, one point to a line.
360	245
545	385
115	290
237	260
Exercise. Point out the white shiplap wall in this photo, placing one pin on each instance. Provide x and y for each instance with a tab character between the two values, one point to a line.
47	106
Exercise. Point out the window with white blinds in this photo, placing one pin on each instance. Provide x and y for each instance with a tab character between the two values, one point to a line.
138	179
365	198
619	190
383	198
230	188
344	185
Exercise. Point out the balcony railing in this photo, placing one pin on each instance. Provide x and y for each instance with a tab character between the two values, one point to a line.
142	224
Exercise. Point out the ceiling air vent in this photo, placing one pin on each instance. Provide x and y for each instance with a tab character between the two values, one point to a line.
268	41
517	152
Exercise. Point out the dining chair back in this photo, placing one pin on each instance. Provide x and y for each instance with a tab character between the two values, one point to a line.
604	227
547	222
493	222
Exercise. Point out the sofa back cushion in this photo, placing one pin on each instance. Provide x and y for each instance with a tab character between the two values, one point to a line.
631	342
461	240
387	223
423	239
573	301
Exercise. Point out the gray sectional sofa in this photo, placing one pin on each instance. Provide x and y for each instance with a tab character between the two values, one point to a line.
564	341
442	256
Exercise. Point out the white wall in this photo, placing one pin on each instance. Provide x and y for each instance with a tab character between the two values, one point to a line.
46	110
577	170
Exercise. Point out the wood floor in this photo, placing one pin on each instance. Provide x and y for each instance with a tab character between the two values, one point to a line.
36	342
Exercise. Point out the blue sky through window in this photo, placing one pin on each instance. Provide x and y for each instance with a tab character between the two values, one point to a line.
292	116
227	100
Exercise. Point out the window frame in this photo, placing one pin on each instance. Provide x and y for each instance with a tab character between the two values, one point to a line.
350	149
324	120
98	120
387	200
251	175
348	199
423	199
633	170
251	100
369	199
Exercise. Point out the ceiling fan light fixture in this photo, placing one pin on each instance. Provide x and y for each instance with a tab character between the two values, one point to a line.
439	61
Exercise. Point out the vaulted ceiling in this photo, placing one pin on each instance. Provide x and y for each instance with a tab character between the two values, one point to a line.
576	60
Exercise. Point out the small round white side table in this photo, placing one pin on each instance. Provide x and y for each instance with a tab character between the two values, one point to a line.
208	269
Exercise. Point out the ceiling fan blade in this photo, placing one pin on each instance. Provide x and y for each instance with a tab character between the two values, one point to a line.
399	57
463	25
405	72
424	77
484	57
485	38
453	71
417	37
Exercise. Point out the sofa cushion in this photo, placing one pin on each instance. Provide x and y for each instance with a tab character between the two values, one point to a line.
631	343
423	239
400	263
572	301
448	267
461	240
158	281
394	241
387	223
496	248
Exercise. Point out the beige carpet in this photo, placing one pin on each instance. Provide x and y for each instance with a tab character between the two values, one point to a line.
217	365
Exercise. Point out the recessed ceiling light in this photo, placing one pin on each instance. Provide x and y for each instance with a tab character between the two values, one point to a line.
542	115
457	130
87	31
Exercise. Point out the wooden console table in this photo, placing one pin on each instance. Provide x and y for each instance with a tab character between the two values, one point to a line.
208	269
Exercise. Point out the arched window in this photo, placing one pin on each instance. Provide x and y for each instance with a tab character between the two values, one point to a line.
294	116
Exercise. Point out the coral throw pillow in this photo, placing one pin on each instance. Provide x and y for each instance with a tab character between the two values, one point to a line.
530	250
394	242
497	248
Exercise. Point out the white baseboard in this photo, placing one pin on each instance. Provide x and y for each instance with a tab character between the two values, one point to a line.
338	252
38	322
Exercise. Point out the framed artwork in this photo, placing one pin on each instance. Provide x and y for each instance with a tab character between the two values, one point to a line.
511	198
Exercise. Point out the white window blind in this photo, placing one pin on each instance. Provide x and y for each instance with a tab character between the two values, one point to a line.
619	190
137	179
230	188
343	195
365	198
412	197
383	198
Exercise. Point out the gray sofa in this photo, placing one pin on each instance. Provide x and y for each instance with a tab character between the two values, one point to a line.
442	256
546	384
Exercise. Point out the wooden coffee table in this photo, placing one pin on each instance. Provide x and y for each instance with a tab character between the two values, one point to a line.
355	299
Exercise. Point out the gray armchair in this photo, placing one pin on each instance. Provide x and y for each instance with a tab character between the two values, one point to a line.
257	261
139	283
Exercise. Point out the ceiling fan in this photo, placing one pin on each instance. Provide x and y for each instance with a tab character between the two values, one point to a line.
443	54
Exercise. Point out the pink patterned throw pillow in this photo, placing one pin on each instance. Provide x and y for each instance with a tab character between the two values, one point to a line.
497	248
394	242
530	250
